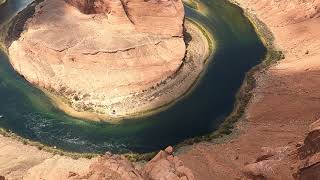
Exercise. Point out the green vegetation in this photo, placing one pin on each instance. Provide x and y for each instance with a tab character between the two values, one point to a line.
205	33
46	148
191	3
133	157
226	128
245	93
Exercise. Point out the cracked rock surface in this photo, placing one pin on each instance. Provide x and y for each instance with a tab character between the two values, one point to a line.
102	51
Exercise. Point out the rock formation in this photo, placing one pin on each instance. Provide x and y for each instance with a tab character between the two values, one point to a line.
301	161
19	161
109	167
309	154
164	166
91	6
98	53
284	104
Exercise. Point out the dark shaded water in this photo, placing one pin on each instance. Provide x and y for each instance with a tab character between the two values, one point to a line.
29	113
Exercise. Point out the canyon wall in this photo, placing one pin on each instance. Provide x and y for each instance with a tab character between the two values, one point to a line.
285	102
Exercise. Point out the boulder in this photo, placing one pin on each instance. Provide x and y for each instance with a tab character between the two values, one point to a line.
166	166
311	143
169	150
110	167
160	167
309	154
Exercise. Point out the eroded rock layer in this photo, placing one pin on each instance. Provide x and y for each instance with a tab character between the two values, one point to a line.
101	51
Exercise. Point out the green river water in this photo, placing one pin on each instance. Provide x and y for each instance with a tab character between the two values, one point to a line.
29	113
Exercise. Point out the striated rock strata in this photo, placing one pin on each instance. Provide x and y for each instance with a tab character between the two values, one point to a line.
104	55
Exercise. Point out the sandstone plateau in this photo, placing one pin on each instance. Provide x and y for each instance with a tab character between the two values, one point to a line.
104	56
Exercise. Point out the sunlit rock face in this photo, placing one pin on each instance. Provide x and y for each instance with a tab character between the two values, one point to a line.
164	166
91	6
99	51
154	16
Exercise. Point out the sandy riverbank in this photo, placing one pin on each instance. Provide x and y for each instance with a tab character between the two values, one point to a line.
285	99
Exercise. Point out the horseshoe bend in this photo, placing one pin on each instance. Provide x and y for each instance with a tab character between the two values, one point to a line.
108	59
253	112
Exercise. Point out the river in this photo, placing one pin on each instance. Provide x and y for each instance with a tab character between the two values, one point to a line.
29	113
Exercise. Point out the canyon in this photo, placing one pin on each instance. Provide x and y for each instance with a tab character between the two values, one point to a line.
284	105
278	138
107	57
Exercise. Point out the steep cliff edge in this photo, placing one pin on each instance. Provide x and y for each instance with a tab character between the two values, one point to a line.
286	97
279	138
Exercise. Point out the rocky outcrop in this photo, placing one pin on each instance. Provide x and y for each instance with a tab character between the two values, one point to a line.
284	103
99	53
164	166
309	169
19	161
109	167
288	11
299	162
311	143
271	164
309	154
